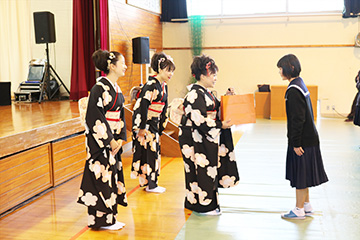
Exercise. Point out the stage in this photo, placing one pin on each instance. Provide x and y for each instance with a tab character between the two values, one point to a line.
26	125
42	145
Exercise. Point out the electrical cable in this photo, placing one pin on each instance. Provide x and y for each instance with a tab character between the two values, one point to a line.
339	113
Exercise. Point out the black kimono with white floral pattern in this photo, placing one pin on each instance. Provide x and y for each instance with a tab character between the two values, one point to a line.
102	187
150	113
207	150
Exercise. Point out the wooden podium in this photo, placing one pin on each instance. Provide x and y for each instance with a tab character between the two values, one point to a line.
277	101
262	102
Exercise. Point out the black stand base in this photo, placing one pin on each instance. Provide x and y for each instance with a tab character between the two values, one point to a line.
50	71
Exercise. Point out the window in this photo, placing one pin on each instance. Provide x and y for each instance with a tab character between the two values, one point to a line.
251	7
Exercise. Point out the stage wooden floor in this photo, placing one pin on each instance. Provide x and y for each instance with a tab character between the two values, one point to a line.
250	211
25	125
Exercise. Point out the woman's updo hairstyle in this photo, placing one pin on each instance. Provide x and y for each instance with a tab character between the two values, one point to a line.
103	58
162	61
204	65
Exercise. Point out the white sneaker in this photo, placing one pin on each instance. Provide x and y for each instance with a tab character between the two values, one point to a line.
158	189
292	215
115	226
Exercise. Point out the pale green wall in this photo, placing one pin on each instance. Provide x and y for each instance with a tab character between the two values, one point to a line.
333	69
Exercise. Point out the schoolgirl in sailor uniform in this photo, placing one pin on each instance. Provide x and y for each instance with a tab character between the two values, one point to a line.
304	165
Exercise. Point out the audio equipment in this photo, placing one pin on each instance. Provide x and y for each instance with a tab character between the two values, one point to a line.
141	52
45	33
5	95
44	27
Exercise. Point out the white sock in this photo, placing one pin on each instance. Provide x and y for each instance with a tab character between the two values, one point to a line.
115	226
158	189
121	223
307	207
299	211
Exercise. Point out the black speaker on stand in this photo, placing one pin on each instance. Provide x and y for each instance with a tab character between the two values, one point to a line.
44	25
141	52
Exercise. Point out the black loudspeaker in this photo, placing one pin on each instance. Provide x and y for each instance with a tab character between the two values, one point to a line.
44	27
5	95
141	52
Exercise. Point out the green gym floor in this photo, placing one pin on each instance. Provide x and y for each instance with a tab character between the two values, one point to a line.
252	209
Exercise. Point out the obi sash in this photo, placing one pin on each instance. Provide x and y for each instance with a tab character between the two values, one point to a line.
210	115
155	109
113	117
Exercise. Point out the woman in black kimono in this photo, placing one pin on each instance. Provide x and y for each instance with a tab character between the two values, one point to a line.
357	103
102	187
205	142
149	120
304	165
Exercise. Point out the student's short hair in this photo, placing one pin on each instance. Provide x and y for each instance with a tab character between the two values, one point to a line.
290	65
203	65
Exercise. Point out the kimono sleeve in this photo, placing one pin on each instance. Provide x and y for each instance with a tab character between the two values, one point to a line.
123	130
142	104
164	117
95	120
196	111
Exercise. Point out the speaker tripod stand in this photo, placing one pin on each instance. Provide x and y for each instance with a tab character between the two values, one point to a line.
48	71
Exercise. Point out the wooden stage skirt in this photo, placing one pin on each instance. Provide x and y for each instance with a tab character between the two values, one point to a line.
41	146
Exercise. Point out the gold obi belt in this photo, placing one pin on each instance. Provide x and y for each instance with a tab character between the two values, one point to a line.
155	109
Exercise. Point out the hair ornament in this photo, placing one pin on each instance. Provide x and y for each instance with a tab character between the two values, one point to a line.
111	55
160	61
208	65
170	58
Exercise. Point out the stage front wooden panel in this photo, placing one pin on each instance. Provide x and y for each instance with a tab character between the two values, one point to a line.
24	175
277	102
69	156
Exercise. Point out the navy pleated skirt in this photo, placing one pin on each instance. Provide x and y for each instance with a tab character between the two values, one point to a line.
307	170
357	116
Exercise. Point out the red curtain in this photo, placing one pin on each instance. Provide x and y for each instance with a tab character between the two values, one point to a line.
83	69
104	24
103	17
